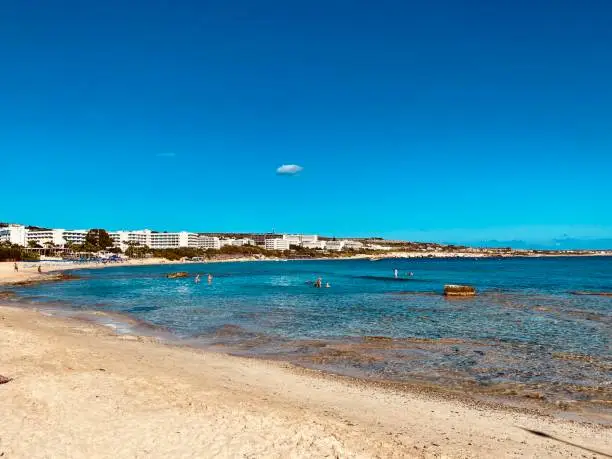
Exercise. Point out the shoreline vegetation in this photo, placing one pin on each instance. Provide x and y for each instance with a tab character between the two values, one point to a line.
138	396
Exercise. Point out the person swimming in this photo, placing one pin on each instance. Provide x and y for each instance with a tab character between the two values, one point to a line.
318	282
327	285
197	279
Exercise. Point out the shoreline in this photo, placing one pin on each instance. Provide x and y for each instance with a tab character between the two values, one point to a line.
510	397
324	413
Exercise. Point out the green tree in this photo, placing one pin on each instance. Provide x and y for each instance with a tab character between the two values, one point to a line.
98	238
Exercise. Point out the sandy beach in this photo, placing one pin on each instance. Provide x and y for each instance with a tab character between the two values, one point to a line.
79	390
28	271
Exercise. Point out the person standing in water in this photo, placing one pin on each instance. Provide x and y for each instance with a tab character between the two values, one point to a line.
318	282
197	279
395	273
210	278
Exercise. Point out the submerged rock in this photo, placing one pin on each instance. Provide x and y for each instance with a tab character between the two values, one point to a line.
459	290
592	293
177	275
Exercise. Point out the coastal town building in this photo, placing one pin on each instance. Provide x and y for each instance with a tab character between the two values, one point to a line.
352	245
314	245
42	237
300	239
74	236
209	242
236	242
334	245
174	240
14	234
123	239
260	239
276	244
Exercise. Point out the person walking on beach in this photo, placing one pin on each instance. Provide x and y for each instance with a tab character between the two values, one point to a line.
39	270
16	267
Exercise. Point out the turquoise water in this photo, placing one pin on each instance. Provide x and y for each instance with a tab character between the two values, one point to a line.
524	327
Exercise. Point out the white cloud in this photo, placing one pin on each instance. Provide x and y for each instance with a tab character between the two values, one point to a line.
166	155
289	169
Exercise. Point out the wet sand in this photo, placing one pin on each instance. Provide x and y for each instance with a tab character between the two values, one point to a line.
79	390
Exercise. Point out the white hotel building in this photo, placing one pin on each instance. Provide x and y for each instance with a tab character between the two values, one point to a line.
276	244
300	239
14	234
209	242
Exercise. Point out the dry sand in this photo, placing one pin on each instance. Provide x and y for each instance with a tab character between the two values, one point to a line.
28	271
78	390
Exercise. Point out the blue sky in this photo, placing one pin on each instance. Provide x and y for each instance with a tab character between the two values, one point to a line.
445	120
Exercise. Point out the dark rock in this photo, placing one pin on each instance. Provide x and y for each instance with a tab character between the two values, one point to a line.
4	379
177	275
459	290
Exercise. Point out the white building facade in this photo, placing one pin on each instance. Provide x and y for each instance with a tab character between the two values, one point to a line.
314	245
42	237
334	245
300	239
209	242
14	234
174	240
276	244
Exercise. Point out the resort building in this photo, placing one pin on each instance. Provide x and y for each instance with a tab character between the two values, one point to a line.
14	234
236	242
174	240
334	245
300	239
154	240
352	245
260	239
123	239
209	242
276	244
314	245
75	236
42	237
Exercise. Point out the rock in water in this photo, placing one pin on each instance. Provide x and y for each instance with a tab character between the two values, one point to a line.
177	275
459	290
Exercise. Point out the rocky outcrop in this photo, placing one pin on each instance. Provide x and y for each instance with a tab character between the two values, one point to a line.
592	293
459	290
177	275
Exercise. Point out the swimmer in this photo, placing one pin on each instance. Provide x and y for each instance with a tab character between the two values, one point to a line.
327	285
197	279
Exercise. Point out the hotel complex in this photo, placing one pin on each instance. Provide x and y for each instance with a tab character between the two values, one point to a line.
20	235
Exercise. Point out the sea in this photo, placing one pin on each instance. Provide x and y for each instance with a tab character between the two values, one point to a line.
526	336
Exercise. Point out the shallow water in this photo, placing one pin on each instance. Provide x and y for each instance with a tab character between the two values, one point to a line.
524	334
